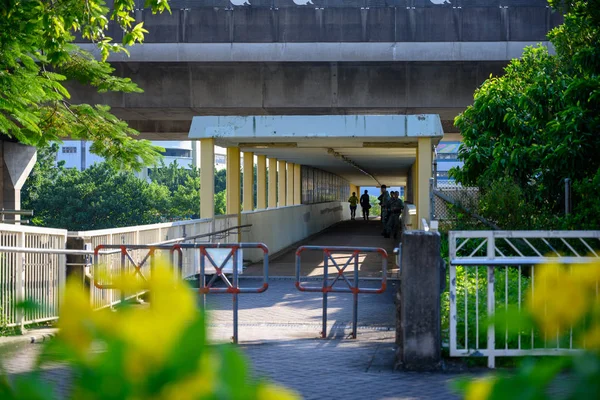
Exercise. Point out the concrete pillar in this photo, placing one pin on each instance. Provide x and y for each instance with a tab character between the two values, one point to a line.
289	199
248	181
424	161
261	182
16	162
281	183
207	178
418	321
272	183
297	184
233	180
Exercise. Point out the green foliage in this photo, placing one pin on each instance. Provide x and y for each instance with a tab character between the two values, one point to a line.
375	207
105	197
37	56
537	124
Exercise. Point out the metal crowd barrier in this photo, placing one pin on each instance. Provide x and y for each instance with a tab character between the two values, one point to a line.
231	286
125	251
353	288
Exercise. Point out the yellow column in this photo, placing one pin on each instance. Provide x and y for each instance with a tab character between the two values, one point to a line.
248	181
207	178
281	183
297	184
289	198
233	180
272	183
261	182
424	159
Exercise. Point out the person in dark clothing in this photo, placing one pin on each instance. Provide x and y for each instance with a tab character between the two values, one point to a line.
365	204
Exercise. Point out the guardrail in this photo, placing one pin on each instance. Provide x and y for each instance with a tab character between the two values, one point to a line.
231	287
506	256
24	274
353	287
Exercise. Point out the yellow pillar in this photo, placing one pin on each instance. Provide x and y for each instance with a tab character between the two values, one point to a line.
261	182
207	178
424	159
289	197
297	184
233	180
272	183
248	181
281	183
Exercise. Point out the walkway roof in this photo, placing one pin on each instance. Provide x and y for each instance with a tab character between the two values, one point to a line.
366	150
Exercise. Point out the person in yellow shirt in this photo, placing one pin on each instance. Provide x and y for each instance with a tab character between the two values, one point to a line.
353	200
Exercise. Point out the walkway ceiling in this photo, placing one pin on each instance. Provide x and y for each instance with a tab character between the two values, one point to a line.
366	150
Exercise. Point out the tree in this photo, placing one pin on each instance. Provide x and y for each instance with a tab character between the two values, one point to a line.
37	56
537	124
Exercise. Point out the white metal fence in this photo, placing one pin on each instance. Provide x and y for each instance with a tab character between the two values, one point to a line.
493	270
35	276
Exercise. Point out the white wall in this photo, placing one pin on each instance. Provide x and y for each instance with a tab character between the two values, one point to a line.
279	228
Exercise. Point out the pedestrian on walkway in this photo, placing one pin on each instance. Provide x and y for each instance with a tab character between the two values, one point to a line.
395	208
365	204
384	201
353	200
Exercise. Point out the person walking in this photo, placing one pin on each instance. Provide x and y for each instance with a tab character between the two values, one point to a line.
385	204
353	200
365	204
395	209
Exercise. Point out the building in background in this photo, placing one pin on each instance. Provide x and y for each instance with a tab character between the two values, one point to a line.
447	158
76	154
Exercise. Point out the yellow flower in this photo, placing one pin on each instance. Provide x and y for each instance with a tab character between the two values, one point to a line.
75	318
275	392
558	300
480	389
591	338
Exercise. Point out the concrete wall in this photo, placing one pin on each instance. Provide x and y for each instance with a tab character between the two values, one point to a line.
270	21
281	227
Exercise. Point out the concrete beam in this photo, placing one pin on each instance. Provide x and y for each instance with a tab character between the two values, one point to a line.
322	52
175	92
16	163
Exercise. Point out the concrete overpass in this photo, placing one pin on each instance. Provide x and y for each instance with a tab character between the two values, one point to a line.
273	57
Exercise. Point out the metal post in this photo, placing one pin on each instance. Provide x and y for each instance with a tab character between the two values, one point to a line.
355	295
491	302
235	297
123	250
202	282
431	200
20	281
325	279
567	196
435	166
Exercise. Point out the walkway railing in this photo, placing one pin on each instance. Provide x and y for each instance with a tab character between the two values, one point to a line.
31	275
493	270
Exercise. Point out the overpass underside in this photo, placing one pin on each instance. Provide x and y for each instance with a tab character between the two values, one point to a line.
330	57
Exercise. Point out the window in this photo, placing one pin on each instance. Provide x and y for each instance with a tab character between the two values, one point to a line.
177	153
69	150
